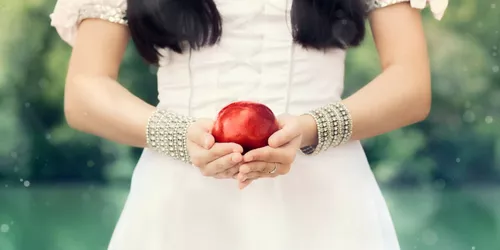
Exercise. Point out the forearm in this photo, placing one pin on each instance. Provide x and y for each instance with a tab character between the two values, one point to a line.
398	97
100	106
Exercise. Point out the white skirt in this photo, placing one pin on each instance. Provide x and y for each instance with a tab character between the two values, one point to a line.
329	201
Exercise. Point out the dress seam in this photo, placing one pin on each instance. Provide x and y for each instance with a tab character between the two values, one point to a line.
190	75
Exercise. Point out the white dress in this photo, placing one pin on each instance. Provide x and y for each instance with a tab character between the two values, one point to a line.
329	201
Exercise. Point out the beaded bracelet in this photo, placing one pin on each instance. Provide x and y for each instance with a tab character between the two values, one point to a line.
166	133
334	126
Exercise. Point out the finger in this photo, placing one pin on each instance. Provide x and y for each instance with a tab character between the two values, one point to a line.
258	175
257	166
200	157
268	154
289	130
222	164
219	150
228	173
258	170
232	171
244	184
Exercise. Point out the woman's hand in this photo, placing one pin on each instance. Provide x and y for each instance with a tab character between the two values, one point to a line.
219	160
275	159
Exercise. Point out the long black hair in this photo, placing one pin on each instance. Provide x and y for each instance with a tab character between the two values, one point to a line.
182	24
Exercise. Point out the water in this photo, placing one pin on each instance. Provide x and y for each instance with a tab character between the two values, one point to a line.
77	218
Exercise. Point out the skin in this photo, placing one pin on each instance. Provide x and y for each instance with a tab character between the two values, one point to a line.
401	94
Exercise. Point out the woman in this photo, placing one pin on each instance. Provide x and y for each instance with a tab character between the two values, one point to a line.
312	187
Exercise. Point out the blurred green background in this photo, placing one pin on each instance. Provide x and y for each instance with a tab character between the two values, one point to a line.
63	190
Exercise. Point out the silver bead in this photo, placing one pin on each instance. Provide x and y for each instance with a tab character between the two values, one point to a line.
104	12
172	130
334	125
375	4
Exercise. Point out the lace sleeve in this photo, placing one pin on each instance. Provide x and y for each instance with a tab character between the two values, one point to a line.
68	14
438	7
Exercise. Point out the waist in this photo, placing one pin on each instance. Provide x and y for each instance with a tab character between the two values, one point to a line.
291	81
207	100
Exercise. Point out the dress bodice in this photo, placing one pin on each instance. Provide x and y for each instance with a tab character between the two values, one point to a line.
255	60
327	201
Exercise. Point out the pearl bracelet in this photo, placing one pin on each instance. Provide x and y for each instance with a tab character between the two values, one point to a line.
334	126
166	133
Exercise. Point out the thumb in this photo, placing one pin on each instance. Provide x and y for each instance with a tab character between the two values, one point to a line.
287	132
205	124
200	133
283	120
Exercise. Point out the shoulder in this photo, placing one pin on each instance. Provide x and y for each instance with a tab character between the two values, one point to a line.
68	14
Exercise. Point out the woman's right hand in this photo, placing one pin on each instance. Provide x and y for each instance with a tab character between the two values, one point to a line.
218	160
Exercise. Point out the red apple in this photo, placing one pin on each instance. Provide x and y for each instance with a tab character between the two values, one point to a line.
248	124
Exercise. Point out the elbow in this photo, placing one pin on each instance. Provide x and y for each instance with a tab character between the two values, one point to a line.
72	105
70	115
423	109
422	100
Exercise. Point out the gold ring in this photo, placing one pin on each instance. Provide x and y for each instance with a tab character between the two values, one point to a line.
274	169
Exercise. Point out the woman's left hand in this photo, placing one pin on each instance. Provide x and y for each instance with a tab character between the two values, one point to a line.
275	159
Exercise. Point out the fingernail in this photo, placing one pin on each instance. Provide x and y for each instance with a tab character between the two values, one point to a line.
248	158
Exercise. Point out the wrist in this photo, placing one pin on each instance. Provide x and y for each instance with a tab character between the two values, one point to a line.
309	130
166	133
328	126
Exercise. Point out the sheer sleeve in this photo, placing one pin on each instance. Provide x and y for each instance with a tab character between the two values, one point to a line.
68	14
438	7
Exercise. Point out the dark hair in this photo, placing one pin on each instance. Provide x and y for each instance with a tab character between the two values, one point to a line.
181	24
